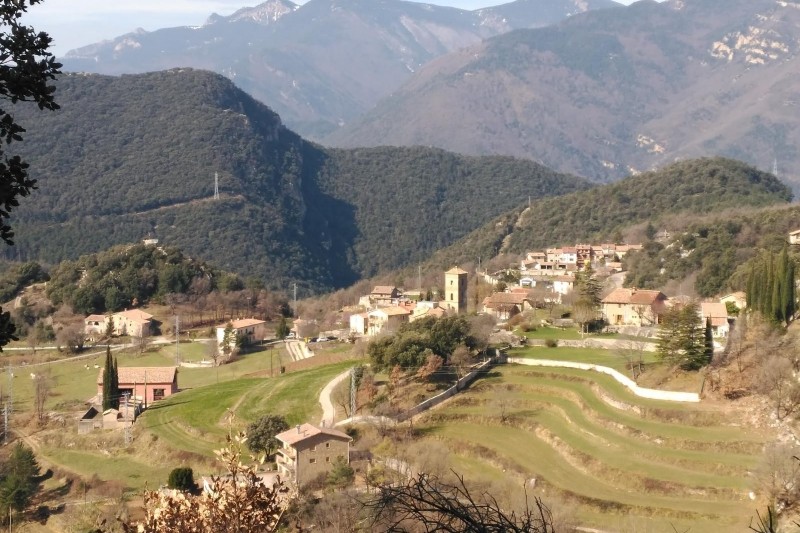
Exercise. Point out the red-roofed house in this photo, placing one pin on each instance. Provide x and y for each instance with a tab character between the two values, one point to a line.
308	452
144	384
717	313
633	307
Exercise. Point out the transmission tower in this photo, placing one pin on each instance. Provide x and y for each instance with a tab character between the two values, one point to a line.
216	186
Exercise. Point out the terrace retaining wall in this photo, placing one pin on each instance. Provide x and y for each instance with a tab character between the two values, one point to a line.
654	394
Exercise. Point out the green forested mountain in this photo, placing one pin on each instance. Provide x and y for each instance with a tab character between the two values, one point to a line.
135	156
679	191
717	248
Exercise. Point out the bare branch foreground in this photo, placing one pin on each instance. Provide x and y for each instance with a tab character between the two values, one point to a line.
427	504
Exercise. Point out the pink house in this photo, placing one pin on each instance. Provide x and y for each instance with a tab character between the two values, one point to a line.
144	384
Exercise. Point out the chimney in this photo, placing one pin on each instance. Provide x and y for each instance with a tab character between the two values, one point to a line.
298	428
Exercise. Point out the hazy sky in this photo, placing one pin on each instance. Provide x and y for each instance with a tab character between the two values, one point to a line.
74	23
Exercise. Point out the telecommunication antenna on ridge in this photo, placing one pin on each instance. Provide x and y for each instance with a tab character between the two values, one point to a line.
775	167
216	186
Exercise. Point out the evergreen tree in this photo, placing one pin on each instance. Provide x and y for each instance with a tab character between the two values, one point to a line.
771	286
19	479
588	287
709	343
115	394
283	328
110	382
692	338
681	338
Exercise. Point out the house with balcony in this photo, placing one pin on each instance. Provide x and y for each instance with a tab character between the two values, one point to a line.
308	452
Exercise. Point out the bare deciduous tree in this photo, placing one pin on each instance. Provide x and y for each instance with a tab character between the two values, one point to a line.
777	380
42	386
426	504
778	474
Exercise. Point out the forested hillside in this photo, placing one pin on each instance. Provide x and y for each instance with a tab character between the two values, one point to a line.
681	190
715	248
135	156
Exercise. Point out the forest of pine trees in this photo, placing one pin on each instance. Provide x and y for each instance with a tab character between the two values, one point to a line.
771	286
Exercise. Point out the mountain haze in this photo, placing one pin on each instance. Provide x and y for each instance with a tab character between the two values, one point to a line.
324	63
613	91
134	157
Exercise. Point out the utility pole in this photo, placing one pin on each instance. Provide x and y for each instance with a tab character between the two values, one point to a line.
177	341
10	390
127	425
353	391
5	424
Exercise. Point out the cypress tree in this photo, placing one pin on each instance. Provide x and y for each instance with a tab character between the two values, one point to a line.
790	288
709	343
108	380
115	386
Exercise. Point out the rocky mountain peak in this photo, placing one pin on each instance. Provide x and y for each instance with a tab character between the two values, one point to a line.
265	14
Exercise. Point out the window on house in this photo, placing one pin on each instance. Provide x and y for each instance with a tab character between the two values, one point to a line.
313	448
327	444
312	460
158	394
327	459
451	296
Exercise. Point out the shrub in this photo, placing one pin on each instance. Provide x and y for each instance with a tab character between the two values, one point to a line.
551	343
182	478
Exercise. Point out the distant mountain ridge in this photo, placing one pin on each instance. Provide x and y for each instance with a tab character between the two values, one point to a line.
131	157
613	91
324	63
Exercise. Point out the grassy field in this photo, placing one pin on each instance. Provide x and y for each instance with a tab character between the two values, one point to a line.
594	356
197	420
75	380
621	460
184	429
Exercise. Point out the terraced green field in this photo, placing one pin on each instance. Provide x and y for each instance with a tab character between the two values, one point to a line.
197	420
627	463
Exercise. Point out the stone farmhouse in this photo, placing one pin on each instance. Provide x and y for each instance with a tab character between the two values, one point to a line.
308	452
133	322
505	305
633	307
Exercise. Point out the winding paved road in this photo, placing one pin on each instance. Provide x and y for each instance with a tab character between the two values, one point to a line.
328	409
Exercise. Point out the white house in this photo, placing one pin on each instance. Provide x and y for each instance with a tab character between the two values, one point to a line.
249	329
717	313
